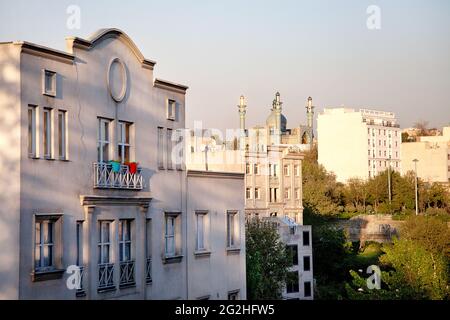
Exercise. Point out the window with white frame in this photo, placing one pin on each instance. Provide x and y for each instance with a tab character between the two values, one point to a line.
32	131
256	168
160	148
49	83
62	141
44	254
169	146
125	240
248	168
172	234
257	193
123	142
232	229
104	241
47	138
103	140
171	109
307	288
248	193
200	218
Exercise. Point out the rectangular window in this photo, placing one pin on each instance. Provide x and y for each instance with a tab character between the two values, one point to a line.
287	193
275	170
103	140
292	282
160	148
44	245
287	170
297	170
169	146
79	243
307	288
306	263
200	243
248	193
47	141
49	83
32	131
248	168
297	194
231	229
256	169
171	109
170	236
257	193
305	238
62	141
125	240
104	244
293	249
123	142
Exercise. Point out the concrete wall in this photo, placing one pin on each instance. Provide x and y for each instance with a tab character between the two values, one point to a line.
222	270
342	145
10	166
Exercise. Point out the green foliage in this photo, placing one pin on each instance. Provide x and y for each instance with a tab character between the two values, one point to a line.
268	261
415	266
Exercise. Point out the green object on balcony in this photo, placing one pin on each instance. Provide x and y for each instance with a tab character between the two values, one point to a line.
115	166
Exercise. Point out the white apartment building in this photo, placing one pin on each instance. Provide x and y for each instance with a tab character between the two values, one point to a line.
358	143
94	181
433	153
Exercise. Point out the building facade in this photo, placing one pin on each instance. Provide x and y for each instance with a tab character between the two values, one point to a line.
98	203
358	143
433	153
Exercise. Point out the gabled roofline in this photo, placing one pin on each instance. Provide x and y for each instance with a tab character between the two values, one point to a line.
87	44
171	86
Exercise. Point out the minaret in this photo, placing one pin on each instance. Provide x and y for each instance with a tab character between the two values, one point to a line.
242	106
277	107
309	116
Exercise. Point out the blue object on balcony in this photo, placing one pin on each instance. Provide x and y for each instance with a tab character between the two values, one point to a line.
115	166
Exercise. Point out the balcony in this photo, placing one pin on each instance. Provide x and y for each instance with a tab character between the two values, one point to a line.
107	178
127	273
106	277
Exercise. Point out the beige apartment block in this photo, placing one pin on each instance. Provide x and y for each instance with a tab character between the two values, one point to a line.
433	153
358	143
95	188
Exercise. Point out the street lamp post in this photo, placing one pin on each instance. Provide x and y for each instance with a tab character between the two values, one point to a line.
416	186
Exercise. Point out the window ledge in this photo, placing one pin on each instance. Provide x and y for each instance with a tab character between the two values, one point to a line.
202	253
233	250
106	289
172	259
128	285
33	157
47	275
80	293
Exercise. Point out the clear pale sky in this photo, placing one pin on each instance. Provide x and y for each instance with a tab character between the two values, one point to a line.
222	49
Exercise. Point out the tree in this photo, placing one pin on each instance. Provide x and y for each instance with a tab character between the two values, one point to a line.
268	261
416	265
421	126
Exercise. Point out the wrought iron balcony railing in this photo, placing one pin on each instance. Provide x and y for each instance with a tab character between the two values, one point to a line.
105	276
127	273
80	290
107	178
148	274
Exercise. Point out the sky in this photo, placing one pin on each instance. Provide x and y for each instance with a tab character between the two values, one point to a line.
224	49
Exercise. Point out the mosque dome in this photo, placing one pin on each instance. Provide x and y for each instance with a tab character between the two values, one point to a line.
272	120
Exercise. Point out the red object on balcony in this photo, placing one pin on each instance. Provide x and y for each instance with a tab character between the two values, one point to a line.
133	167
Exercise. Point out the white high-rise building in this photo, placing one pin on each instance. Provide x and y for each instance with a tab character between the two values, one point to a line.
358	143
